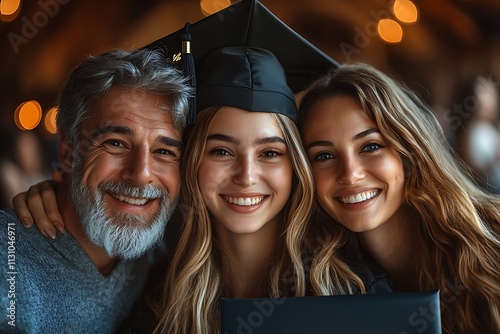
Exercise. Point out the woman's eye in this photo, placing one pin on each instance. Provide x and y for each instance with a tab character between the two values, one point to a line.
220	151
323	156
372	147
271	154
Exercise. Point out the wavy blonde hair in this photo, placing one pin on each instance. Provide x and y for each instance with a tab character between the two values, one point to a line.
194	281
456	223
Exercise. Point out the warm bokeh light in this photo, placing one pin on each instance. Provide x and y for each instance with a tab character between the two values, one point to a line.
208	7
50	120
390	31
28	115
9	9
405	11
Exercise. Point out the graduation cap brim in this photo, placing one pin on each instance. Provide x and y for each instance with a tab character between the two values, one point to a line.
249	23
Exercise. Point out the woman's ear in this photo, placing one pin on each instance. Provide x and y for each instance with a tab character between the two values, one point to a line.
65	154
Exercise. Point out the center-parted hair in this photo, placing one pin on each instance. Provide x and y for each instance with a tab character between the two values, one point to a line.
196	265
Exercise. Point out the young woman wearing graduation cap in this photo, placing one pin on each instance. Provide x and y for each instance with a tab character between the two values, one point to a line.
384	171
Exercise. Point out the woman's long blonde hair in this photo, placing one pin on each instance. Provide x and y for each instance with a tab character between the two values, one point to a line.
194	281
456	223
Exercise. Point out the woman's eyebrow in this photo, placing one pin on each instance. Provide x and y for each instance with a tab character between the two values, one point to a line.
320	143
269	140
221	137
358	136
365	133
258	141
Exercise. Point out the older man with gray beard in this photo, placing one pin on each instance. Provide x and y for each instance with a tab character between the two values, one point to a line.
120	118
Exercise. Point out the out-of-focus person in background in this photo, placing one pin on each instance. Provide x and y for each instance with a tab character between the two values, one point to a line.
22	164
478	141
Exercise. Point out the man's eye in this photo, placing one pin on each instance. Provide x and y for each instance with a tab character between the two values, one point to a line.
165	151
113	142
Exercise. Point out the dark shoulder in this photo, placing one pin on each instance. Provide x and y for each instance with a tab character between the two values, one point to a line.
370	272
142	318
375	281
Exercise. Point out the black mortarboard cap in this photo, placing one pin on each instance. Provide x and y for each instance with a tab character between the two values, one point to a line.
244	77
251	26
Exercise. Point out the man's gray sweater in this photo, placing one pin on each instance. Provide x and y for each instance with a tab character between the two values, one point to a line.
51	286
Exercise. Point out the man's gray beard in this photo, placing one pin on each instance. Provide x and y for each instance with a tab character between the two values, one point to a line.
125	235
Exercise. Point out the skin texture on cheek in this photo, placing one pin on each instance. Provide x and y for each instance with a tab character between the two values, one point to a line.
91	162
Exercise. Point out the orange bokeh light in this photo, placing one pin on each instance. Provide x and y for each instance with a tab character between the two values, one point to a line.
405	11
28	115
209	7
50	120
9	9
390	31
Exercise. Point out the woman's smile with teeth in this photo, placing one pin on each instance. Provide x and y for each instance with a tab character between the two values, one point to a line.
361	197
244	201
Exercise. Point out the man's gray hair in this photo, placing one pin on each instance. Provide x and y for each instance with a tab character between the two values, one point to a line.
147	70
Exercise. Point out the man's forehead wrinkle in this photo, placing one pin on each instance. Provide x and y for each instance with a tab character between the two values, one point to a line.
137	96
143	119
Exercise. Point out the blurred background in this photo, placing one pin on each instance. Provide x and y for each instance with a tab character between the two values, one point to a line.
446	50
